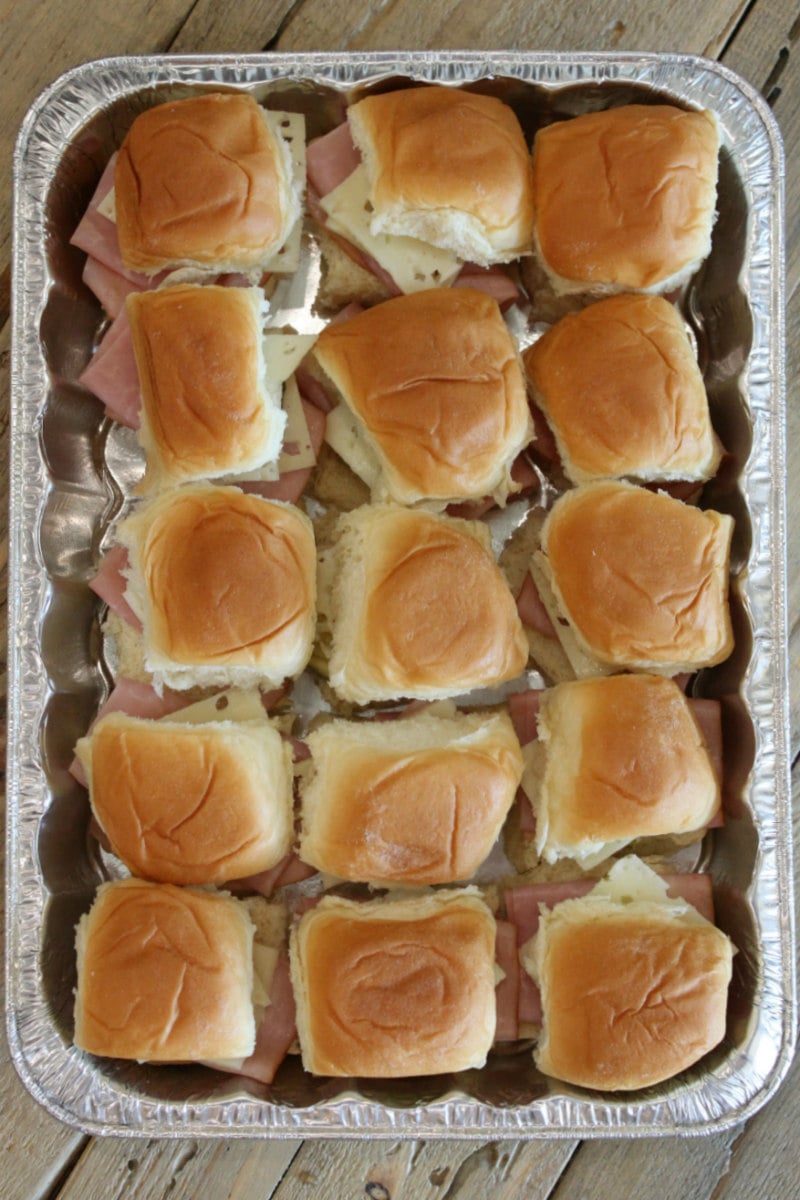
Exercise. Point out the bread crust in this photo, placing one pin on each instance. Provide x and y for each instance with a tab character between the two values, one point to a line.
388	989
220	146
165	974
625	198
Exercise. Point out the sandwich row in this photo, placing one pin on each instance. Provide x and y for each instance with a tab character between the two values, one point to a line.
212	587
413	185
205	794
624	983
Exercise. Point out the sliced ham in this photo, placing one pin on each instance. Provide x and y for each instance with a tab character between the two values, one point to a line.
312	390
292	484
112	374
290	869
491	280
708	714
532	611
507	991
331	159
544	442
109	584
523	708
109	286
276	1031
687	490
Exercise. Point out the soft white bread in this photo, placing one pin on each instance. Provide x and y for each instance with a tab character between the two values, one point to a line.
205	182
224	585
207	407
634	990
190	803
625	198
418	607
408	802
165	974
387	989
642	579
448	167
436	388
622	392
624	758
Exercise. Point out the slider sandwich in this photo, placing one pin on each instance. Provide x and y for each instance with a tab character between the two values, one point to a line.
633	580
208	406
625	198
177	975
191	803
416	183
432	403
621	390
617	758
223	585
206	183
414	605
409	802
387	989
633	984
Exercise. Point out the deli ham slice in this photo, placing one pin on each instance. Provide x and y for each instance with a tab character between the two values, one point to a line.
290	869
109	286
523	708
532	611
276	1030
292	484
109	584
507	991
330	159
137	700
491	280
112	374
97	234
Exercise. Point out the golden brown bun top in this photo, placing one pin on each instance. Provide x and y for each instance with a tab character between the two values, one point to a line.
198	354
436	379
442	150
625	759
388	989
227	576
164	974
186	803
436	616
623	393
416	801
642	578
631	995
200	181
626	196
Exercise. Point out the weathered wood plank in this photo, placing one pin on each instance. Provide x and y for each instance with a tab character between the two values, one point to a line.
521	24
244	28
425	1170
671	1168
184	1169
766	51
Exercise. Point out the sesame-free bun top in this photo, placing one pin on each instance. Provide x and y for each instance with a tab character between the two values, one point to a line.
634	990
625	198
206	411
165	974
641	578
435	382
388	989
419	608
224	585
203	182
448	167
623	393
625	758
410	802
190	803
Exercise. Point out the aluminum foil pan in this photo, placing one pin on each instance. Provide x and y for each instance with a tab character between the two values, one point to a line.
69	475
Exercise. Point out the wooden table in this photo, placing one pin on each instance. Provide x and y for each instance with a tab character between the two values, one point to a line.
41	1158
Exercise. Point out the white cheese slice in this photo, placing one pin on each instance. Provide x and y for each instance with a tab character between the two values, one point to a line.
283	353
342	433
242	704
413	265
296	432
265	960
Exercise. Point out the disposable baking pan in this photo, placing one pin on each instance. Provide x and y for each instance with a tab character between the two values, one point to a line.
69	474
